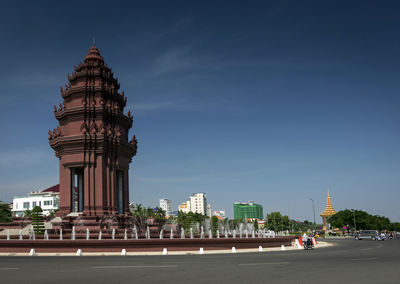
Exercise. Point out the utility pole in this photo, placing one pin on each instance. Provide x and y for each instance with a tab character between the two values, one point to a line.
355	223
313	207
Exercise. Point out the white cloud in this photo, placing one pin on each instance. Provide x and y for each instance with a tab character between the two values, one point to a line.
173	60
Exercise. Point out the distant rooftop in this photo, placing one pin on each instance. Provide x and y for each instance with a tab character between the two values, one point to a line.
54	188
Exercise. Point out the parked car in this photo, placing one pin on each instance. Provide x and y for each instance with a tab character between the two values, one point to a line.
367	235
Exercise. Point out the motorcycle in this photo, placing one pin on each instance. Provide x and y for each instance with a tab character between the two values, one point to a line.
380	238
308	245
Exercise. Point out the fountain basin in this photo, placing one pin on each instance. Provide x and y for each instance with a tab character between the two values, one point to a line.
141	245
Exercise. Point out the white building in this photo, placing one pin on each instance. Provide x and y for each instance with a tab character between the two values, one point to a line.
197	203
184	207
47	199
166	205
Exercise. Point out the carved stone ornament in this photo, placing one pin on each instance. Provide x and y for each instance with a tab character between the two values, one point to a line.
93	128
84	128
101	128
118	132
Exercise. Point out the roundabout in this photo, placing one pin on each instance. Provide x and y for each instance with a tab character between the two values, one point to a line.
346	260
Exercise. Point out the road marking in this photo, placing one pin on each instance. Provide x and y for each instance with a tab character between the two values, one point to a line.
9	268
379	246
134	266
263	263
369	258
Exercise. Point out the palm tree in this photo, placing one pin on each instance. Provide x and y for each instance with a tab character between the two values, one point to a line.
159	213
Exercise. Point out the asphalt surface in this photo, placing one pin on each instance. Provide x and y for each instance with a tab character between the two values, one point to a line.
349	261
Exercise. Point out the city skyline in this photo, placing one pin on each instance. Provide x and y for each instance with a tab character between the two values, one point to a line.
270	101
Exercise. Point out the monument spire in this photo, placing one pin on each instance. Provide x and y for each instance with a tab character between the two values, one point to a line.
328	212
92	142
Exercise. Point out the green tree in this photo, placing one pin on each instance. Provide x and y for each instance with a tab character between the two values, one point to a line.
360	220
159	213
255	225
214	224
5	213
275	221
188	220
28	213
37	220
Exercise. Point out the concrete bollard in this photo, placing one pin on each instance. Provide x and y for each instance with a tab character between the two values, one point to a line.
123	252
165	252
32	252
233	250
201	251
260	249
283	247
79	252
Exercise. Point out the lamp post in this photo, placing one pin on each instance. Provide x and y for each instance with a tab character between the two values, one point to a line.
355	223
313	206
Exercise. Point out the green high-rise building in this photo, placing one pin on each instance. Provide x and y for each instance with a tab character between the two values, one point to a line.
247	210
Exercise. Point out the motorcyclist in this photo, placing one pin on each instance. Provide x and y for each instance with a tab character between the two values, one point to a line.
304	239
309	241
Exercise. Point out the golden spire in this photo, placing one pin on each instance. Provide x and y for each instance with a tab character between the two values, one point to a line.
329	211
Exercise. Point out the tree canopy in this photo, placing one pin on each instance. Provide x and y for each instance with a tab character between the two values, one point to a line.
187	220
360	220
5	213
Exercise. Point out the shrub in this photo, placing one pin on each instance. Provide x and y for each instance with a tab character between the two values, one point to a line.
37	220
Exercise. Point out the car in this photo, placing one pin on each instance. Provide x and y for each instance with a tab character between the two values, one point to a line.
367	235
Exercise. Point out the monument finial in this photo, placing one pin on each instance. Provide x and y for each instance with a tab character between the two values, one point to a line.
94	41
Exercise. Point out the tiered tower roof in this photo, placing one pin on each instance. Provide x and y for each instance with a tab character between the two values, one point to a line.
329	211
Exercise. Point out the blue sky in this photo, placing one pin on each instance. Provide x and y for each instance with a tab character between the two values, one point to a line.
271	101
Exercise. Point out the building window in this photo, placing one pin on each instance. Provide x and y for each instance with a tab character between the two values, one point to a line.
33	203
47	202
26	205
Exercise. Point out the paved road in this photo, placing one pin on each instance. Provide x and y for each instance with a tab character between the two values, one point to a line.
349	261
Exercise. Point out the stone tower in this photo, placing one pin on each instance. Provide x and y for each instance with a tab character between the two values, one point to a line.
92	142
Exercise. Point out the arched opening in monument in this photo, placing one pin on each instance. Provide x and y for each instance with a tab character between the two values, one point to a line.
120	192
77	189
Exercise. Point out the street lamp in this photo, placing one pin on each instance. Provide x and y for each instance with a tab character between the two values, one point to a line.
355	223
313	207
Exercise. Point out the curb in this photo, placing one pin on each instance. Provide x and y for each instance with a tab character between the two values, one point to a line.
191	252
